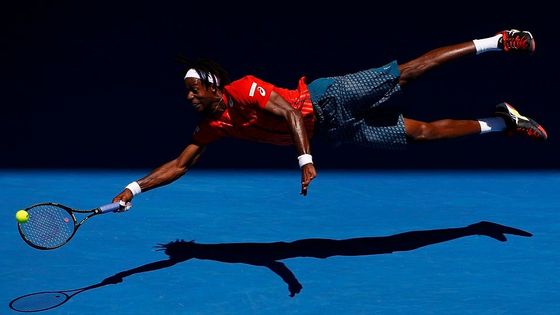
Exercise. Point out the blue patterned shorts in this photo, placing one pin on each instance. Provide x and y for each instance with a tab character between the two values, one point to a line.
350	109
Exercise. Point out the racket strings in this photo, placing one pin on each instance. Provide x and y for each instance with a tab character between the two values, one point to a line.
49	226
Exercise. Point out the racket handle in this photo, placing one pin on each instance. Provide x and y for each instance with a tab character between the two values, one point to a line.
112	207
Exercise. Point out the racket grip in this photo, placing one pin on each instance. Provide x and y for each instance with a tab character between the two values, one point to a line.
112	207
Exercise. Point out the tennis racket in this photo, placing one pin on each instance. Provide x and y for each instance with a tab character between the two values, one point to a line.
52	225
42	301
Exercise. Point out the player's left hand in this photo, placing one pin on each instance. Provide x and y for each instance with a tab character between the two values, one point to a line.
294	288
308	173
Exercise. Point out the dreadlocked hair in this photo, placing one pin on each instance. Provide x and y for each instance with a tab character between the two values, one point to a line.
204	67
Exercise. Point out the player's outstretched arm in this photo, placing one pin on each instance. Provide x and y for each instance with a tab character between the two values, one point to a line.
287	275
279	106
163	174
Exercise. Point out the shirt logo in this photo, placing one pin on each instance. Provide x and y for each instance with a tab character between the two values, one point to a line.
254	87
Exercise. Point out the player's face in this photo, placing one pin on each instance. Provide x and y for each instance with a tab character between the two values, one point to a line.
202	98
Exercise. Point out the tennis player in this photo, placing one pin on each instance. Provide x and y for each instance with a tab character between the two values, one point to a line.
351	108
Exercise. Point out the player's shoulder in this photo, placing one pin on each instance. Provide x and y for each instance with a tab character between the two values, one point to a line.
248	83
245	79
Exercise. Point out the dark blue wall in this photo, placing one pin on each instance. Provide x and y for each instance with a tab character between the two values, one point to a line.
87	84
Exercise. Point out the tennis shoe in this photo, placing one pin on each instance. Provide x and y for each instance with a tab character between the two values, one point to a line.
516	41
519	124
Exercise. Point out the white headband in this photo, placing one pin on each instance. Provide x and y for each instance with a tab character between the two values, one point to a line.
192	73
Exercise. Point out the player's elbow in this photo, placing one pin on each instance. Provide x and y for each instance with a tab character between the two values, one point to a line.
179	169
292	115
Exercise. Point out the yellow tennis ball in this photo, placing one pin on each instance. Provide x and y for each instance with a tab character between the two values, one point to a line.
22	216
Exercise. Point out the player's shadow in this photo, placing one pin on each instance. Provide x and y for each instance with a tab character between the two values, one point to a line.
269	254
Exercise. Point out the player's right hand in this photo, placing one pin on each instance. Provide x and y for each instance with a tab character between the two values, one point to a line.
114	279
124	198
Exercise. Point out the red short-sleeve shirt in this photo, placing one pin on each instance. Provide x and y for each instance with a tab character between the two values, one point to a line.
245	117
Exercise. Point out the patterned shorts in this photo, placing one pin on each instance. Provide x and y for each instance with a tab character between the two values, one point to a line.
350	108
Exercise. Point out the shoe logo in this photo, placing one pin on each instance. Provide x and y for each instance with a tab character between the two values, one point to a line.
514	118
515	114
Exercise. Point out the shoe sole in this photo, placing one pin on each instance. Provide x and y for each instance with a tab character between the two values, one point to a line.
533	44
541	129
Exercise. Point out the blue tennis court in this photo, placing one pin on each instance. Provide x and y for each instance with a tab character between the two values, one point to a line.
467	275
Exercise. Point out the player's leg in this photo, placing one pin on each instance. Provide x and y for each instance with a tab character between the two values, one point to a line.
507	120
508	41
441	129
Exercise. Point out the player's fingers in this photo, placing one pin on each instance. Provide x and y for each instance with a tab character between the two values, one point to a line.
125	206
304	188
308	173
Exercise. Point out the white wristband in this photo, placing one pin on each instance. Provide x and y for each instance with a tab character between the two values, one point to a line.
134	187
304	159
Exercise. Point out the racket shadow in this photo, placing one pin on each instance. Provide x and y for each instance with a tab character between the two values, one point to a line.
268	255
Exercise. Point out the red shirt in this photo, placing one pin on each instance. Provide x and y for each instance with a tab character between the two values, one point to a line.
245	117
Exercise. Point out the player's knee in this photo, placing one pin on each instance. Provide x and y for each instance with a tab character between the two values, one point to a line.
424	131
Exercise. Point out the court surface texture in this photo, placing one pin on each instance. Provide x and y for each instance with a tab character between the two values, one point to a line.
469	275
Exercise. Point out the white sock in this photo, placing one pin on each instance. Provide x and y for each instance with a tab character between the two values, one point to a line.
492	124
487	44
